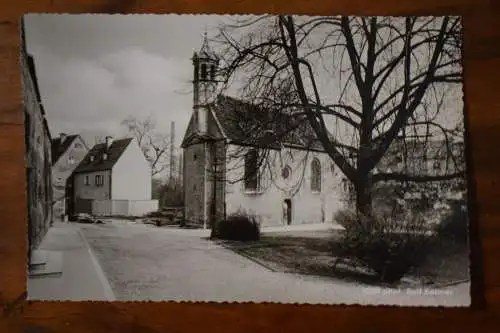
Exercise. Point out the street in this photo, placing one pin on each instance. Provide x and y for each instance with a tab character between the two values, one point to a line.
143	262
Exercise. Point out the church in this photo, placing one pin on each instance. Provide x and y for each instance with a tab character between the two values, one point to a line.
233	163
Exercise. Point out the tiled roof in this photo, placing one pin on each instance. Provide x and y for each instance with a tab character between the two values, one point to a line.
114	152
58	148
243	123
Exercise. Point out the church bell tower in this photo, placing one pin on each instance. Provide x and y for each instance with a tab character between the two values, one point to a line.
205	64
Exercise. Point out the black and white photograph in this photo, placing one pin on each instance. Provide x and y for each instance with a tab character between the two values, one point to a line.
246	158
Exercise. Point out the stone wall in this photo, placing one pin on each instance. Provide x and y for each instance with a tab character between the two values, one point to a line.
194	188
38	157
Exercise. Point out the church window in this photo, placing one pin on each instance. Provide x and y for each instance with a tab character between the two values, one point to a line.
251	170
203	71
212	72
285	172
316	175
196	67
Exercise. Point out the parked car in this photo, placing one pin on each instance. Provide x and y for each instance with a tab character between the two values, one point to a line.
85	218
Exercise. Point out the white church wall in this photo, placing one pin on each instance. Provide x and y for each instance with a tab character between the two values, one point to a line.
268	203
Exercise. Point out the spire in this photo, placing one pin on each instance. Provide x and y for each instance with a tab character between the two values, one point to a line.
206	51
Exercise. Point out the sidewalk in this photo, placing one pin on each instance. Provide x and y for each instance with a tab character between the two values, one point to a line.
76	274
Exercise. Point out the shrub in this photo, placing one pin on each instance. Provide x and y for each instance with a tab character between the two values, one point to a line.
390	245
454	225
240	227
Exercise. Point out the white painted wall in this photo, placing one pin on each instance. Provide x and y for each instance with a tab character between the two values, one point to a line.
131	175
123	207
268	204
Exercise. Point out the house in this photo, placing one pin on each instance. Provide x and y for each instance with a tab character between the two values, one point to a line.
37	153
67	152
114	178
223	149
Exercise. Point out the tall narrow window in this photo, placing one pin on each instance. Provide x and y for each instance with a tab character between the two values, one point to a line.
251	170
195	74
87	182
316	175
212	72
203	71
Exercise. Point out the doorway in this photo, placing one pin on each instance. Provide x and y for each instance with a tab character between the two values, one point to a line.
287	211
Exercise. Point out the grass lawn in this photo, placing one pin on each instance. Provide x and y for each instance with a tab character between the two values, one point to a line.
313	253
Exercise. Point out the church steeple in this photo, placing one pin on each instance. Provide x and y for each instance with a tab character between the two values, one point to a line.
205	65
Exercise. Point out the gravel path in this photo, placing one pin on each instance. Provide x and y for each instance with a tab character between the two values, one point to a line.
144	262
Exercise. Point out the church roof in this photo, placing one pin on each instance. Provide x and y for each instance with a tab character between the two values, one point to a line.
114	152
246	124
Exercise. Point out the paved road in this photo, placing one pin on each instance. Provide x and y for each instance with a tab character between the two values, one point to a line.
148	263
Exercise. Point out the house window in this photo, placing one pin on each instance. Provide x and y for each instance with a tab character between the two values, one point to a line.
315	175
251	170
203	71
99	180
437	165
285	172
91	158
87	181
332	167
78	145
104	156
71	160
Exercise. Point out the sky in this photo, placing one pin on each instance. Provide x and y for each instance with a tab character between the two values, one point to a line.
96	70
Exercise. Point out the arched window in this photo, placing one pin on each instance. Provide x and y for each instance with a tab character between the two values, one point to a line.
203	71
285	172
316	175
212	72
251	170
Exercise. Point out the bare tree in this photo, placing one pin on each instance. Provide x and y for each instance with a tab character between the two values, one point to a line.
154	144
361	84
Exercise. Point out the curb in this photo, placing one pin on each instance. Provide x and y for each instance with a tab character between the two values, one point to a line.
108	291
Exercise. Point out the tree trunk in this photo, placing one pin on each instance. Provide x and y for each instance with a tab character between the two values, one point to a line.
363	188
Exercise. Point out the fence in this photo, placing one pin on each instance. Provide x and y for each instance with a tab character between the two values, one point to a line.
119	207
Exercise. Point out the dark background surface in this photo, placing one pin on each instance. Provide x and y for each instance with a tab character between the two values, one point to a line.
482	89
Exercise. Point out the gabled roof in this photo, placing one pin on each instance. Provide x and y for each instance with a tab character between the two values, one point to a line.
246	124
58	148
114	152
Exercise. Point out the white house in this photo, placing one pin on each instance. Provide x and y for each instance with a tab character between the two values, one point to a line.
223	167
114	178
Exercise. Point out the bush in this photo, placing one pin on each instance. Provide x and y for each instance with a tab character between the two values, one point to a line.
454	226
390	245
240	227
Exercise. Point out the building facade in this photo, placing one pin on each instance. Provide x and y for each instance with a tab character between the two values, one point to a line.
224	168
37	153
114	178
67	152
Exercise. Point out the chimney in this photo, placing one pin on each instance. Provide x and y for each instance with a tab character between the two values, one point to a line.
109	141
62	136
